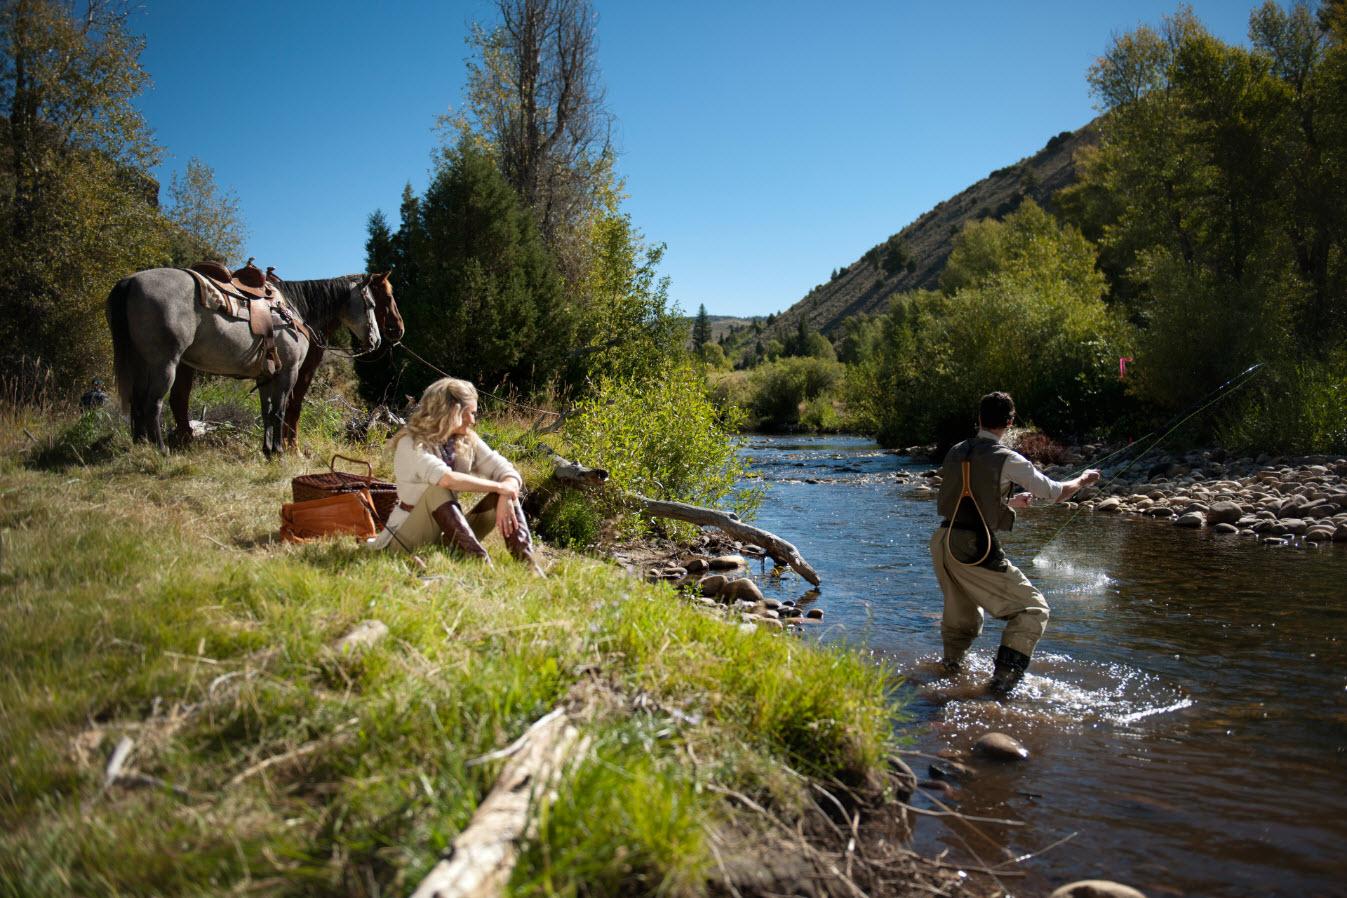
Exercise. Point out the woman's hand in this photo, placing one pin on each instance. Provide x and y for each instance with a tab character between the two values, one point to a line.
508	488
505	516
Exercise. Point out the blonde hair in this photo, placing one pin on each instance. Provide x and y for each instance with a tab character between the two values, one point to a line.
438	413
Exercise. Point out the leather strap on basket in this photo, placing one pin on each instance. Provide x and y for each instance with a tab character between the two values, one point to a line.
369	468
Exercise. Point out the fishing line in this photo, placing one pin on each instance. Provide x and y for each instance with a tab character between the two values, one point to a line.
1221	392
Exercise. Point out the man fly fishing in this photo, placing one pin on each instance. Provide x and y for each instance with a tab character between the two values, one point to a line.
975	502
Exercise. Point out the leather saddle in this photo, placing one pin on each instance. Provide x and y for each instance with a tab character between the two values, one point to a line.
253	295
248	280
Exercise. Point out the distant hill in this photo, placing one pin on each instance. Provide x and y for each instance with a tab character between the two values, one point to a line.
913	258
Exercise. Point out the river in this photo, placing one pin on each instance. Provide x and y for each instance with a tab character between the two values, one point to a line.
1186	712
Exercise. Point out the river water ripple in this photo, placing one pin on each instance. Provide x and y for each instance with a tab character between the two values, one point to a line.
1186	711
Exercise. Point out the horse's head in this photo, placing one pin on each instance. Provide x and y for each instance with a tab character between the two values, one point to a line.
358	314
385	307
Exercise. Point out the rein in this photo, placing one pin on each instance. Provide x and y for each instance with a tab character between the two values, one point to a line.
370	305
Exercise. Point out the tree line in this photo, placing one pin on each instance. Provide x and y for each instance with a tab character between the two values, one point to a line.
1207	232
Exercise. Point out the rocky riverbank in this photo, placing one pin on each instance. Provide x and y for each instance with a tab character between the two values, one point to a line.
1281	501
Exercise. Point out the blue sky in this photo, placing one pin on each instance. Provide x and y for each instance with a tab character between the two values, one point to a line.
764	143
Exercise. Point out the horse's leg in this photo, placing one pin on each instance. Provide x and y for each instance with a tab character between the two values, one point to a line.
177	401
157	381
290	432
274	394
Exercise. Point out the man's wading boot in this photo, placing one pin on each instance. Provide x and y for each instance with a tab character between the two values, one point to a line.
520	543
456	533
1009	670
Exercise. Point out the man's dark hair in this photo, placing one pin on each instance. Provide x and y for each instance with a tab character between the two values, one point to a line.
995	410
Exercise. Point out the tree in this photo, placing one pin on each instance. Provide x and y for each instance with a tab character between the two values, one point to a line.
534	96
475	283
701	329
76	209
207	218
1218	194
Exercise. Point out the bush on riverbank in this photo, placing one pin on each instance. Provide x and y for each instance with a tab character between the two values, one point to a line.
663	438
145	596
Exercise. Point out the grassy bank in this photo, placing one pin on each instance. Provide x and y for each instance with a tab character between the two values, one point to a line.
146	596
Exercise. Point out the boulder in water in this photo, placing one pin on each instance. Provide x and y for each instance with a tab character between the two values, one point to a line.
1096	888
727	562
1110	504
1224	513
1192	519
1000	747
1225	528
713	585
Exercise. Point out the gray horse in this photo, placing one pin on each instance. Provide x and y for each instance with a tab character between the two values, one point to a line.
158	324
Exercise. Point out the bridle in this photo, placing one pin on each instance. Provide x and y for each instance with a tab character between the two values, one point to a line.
371	311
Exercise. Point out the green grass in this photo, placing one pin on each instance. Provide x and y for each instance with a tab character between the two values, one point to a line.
147	596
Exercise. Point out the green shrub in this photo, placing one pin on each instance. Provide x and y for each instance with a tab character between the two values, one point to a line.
1292	408
570	520
94	437
663	438
780	390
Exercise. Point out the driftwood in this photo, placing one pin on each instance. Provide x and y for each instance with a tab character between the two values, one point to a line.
482	857
572	474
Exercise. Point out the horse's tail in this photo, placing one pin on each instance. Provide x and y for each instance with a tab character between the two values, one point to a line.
123	352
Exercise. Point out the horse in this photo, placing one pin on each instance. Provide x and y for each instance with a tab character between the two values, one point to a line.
386	315
160	329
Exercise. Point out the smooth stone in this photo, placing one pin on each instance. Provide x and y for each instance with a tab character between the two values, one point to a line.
1340	534
940	786
1319	535
1295	525
1224	513
713	585
1001	747
696	566
1096	888
1193	519
743	589
727	562
1111	504
814	614
1225	528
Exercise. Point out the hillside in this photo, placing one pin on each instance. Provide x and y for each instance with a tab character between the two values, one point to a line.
913	258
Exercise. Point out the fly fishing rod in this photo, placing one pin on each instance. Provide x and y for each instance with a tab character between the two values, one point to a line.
1223	391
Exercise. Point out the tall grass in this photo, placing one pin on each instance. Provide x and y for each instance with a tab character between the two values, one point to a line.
146	595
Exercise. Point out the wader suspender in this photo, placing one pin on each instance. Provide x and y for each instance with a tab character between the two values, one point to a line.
967	493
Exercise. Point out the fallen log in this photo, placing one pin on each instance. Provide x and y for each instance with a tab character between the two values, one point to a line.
780	550
577	475
480	861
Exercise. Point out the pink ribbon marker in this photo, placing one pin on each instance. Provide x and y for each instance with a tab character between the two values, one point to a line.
1122	365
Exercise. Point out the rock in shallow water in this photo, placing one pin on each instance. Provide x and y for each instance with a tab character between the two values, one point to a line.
1001	747
1225	528
1096	888
1224	513
1191	520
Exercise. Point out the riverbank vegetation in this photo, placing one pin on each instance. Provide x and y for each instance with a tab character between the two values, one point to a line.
1206	233
148	599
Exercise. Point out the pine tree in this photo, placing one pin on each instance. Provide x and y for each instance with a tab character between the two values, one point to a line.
701	329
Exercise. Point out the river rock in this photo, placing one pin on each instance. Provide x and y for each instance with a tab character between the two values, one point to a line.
1319	535
727	562
1001	747
695	565
743	589
1225	528
1340	534
1224	513
1160	511
814	614
712	585
1192	519
1295	526
1111	504
1096	888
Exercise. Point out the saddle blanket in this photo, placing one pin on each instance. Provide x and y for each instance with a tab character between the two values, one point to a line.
264	316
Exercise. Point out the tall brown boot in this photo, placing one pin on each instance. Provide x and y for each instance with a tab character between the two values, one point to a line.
520	543
455	532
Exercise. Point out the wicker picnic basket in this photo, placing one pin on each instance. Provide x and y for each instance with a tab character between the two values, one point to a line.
320	486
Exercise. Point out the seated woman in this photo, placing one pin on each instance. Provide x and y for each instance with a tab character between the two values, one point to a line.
434	457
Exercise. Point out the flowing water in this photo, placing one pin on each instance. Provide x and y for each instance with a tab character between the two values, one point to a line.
1186	712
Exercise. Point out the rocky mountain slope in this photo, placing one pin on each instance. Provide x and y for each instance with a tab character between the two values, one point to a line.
913	258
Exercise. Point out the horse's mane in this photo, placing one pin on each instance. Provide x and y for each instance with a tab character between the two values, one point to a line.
318	301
